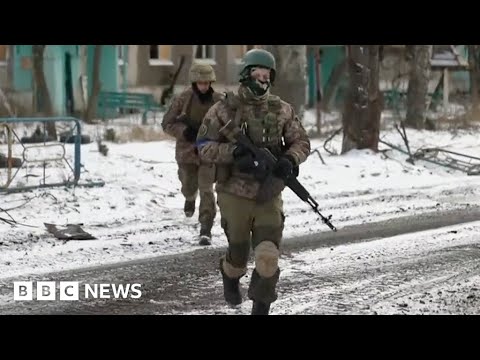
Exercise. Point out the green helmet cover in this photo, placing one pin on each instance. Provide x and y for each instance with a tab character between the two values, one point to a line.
257	58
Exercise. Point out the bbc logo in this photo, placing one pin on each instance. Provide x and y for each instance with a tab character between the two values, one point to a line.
45	290
69	290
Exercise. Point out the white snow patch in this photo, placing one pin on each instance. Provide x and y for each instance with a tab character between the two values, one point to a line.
368	274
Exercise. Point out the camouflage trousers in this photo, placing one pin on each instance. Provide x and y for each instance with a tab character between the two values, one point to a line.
247	226
199	179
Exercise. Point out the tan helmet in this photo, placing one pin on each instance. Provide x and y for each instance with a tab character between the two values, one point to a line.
202	72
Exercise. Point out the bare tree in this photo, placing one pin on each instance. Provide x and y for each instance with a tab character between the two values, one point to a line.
291	76
42	93
318	89
418	86
361	118
474	65
96	86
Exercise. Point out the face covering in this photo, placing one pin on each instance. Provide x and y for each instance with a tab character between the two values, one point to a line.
257	87
203	97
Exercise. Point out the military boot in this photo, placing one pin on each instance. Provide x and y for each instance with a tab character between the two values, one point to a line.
262	291
231	288
205	236
189	208
260	308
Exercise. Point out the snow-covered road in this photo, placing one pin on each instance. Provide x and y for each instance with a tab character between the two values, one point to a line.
428	272
432	272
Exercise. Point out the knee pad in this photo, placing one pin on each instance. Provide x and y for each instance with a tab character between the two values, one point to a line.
266	259
230	270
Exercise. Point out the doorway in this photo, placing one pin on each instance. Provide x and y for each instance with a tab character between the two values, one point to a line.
70	105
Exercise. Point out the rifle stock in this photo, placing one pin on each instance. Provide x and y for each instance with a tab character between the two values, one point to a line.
271	183
168	92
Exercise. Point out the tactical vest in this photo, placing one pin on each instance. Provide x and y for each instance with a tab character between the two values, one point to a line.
197	113
264	130
206	172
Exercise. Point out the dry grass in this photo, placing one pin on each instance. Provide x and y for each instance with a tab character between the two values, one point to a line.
463	121
140	134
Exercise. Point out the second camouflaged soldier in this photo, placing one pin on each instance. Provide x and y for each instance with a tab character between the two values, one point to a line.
182	121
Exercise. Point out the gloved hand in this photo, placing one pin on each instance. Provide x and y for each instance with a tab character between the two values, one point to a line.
243	158
284	167
245	162
240	151
190	134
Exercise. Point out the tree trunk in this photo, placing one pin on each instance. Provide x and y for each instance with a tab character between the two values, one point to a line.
96	85
474	64
44	102
318	90
291	76
417	92
361	118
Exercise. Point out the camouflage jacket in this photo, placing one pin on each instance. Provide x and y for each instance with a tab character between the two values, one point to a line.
189	105
251	114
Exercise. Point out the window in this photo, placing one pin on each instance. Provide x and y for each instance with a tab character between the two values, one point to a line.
204	54
160	55
3	54
240	50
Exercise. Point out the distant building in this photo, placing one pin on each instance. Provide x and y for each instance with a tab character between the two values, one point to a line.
66	70
150	68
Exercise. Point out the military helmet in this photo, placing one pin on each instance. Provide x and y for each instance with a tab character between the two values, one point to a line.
202	72
258	57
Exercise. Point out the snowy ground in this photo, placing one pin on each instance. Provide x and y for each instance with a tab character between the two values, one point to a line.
139	211
429	272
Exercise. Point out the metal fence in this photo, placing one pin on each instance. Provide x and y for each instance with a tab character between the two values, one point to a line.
41	156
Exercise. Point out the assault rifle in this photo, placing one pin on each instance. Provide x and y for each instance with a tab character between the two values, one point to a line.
271	184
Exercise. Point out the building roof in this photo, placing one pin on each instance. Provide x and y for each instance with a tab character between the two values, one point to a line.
447	56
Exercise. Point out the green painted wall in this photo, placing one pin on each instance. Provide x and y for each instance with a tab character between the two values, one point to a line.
331	57
22	78
108	68
108	71
54	68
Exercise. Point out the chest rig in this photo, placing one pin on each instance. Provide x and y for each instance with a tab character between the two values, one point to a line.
197	112
259	122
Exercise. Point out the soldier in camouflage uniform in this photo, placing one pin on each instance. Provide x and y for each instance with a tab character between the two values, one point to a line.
182	121
270	123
